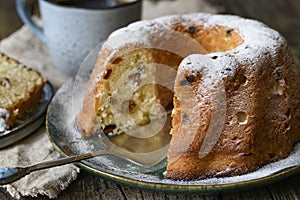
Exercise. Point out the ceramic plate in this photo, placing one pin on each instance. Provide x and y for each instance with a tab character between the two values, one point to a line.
30	123
66	138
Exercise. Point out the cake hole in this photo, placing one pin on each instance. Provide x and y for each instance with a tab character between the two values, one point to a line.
242	79
107	74
277	74
117	61
214	57
242	118
271	155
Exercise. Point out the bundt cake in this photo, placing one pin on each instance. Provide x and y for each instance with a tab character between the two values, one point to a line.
234	109
20	91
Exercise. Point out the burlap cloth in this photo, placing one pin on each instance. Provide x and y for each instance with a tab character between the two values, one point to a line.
25	47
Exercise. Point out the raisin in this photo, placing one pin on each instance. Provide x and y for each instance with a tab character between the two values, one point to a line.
192	30
5	82
117	61
107	74
229	32
109	129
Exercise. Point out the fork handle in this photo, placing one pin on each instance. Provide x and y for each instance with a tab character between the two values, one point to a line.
66	160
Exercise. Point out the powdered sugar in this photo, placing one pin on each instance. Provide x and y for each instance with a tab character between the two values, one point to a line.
258	39
4	115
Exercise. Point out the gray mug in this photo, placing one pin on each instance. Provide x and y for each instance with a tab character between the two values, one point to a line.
71	32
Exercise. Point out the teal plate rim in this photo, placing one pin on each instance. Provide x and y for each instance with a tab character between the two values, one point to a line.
174	186
203	189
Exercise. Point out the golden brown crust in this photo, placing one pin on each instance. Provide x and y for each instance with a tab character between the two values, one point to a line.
272	127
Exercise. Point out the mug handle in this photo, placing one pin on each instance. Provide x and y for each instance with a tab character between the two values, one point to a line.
26	17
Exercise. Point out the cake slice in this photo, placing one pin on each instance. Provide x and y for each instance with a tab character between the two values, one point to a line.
20	91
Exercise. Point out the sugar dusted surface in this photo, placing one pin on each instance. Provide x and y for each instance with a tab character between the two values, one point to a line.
258	38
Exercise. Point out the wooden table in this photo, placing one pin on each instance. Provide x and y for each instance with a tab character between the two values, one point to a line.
283	15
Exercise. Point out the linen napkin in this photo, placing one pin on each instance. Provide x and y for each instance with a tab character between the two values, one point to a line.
34	149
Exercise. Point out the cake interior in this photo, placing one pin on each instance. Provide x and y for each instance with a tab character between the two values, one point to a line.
125	74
